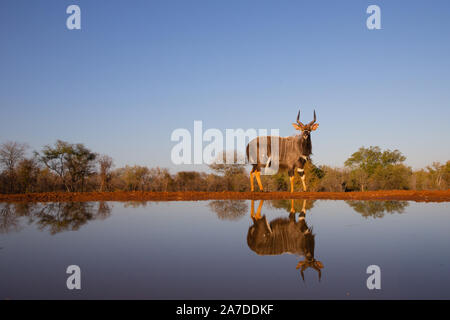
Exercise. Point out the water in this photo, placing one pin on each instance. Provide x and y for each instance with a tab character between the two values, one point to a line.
217	250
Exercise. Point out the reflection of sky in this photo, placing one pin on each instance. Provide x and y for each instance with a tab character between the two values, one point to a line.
183	250
134	73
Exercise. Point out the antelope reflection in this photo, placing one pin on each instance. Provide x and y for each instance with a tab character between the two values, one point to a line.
284	235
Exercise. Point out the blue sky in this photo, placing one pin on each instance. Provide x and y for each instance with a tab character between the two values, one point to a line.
137	70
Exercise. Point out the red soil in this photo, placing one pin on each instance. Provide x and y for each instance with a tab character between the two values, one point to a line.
419	196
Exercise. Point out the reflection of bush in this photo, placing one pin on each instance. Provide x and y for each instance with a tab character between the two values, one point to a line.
229	209
103	211
55	217
286	204
377	209
135	204
58	217
9	220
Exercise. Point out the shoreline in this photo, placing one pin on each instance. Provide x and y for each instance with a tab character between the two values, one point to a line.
404	195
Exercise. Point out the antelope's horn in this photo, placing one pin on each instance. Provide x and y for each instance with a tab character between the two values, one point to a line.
318	271
312	122
298	119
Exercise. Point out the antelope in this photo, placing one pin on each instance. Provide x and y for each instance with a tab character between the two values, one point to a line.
284	235
293	153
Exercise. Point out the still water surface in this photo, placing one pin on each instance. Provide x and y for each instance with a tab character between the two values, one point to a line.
225	249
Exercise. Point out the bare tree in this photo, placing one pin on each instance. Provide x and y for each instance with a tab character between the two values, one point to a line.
106	163
232	172
160	179
11	153
136	178
27	173
226	167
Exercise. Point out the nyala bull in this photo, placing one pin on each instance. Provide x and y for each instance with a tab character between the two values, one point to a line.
284	235
290	153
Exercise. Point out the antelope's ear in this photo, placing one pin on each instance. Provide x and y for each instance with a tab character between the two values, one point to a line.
314	126
296	126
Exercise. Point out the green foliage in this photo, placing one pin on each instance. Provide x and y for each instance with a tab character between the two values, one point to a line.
373	169
368	159
280	181
390	177
73	163
436	176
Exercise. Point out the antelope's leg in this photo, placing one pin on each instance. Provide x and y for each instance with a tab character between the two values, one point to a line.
252	185
301	173
292	183
258	179
252	210
304	206
291	178
292	206
258	212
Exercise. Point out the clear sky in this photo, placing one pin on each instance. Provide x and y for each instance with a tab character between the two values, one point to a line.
137	70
